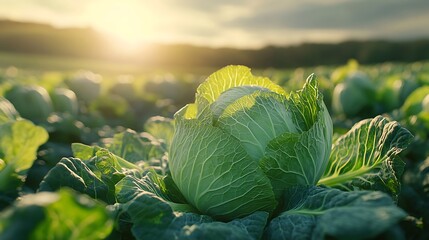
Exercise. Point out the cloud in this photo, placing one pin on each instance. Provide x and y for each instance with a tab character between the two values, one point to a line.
211	6
256	23
33	7
58	13
241	23
363	14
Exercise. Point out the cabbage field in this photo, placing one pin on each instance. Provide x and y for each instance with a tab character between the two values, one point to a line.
329	152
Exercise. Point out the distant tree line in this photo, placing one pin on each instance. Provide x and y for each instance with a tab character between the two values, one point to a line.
43	39
308	54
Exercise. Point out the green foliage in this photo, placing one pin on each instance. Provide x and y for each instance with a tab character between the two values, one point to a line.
241	162
7	111
319	213
19	141
366	157
152	216
141	149
415	198
96	174
73	173
61	215
160	127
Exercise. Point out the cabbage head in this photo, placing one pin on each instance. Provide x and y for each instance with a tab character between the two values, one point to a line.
64	100
32	102
245	141
353	95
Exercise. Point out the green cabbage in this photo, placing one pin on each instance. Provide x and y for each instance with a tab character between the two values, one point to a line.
32	102
245	141
353	95
125	88
86	85
415	103
64	100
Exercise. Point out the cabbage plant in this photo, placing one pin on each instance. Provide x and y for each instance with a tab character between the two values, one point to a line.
86	85
245	141
65	101
32	102
19	141
353	95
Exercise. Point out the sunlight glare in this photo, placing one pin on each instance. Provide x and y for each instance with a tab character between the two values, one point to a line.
128	22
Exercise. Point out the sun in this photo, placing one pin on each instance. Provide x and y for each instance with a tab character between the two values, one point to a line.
128	22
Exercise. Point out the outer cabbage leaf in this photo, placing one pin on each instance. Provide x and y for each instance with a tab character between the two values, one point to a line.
365	157
62	215
7	111
96	176
414	197
19	141
83	151
300	159
152	216
229	77
225	79
214	172
75	174
306	105
130	186
142	149
250	227
87	153
161	128
318	213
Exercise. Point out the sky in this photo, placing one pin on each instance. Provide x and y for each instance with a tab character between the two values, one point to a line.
239	23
